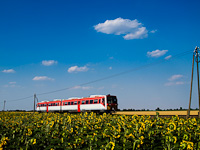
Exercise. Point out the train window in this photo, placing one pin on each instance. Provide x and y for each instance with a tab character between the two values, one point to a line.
91	101
99	100
95	101
65	103
83	102
56	104
49	104
87	102
75	103
45	105
72	103
103	101
68	103
108	100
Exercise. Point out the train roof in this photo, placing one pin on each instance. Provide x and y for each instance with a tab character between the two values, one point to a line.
73	98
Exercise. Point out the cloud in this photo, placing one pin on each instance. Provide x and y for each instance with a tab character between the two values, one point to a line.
139	34
168	57
78	69
174	83
153	31
132	29
49	62
175	77
8	71
81	87
157	53
110	68
173	80
39	78
11	84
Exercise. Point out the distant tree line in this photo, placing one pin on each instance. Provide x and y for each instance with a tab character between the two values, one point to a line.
157	109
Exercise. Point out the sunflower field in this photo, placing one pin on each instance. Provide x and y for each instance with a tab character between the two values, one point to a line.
89	131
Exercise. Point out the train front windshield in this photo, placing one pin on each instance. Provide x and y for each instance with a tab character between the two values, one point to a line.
112	100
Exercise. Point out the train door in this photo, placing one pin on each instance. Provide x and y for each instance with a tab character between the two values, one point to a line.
47	107
79	109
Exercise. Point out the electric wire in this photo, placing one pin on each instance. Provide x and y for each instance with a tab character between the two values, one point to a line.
109	77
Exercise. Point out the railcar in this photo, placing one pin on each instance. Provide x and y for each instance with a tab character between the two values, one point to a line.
97	103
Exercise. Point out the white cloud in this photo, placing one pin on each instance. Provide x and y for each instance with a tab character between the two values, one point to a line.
49	62
11	84
139	34
173	80
81	87
174	83
39	78
153	31
9	71
132	29
157	53
110	68
168	57
78	69
175	77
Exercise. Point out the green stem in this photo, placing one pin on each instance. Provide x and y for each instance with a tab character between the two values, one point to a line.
134	145
168	146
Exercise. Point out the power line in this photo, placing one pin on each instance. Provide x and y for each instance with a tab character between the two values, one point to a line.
118	74
20	99
111	76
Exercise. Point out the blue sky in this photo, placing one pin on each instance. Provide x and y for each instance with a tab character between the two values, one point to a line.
51	45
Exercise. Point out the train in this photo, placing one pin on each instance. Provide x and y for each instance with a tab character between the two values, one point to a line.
95	103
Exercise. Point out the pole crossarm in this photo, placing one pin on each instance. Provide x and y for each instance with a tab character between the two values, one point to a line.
197	55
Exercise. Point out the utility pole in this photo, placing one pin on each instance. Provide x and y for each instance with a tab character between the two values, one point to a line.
196	55
34	103
197	61
188	112
35	98
4	105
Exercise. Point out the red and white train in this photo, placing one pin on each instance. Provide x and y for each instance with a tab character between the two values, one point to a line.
99	103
